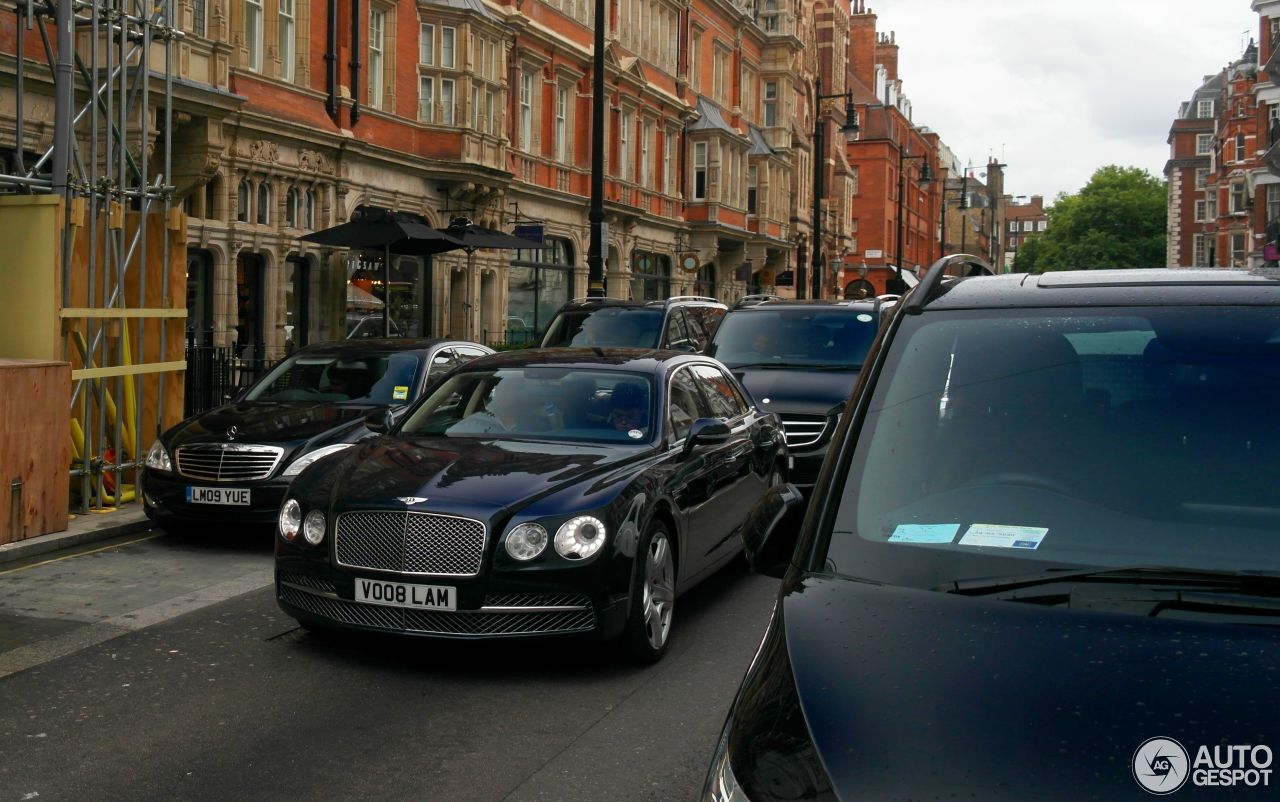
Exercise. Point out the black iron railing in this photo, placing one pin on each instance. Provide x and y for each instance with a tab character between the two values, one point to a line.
214	374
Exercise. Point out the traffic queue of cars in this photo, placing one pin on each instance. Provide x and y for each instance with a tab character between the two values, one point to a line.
996	504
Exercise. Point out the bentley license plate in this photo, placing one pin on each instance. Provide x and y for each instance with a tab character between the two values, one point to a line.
401	594
226	496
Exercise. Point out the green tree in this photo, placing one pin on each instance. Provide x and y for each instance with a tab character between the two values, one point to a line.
1117	220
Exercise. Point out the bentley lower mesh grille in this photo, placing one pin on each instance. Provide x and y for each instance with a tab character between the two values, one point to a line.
410	542
461	622
322	585
227	462
803	430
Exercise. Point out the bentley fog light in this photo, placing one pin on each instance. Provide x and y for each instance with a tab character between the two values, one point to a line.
158	458
579	538
526	541
313	527
290	519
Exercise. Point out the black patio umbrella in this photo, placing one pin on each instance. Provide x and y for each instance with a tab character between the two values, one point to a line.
394	232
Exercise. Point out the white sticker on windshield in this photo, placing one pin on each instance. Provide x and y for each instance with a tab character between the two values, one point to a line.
999	536
635	434
864	318
924	533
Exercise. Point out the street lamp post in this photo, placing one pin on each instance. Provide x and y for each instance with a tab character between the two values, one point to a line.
819	174
596	245
925	177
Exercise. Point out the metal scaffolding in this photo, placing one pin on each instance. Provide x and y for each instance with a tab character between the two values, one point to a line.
108	66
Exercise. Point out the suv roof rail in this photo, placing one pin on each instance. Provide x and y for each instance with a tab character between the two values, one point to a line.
598	298
693	298
755	299
934	283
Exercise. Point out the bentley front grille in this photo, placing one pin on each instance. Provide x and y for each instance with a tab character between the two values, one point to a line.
227	462
490	620
410	542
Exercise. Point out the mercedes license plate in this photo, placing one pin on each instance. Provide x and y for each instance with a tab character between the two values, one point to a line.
226	496
402	594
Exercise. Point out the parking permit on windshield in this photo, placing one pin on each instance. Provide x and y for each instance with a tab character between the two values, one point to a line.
1000	536
399	393
924	533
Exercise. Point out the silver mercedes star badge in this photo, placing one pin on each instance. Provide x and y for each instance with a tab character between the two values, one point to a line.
232	431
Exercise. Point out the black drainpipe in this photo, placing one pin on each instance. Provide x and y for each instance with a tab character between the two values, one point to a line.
355	61
331	62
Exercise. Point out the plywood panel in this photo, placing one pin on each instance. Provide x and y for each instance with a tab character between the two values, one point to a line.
34	450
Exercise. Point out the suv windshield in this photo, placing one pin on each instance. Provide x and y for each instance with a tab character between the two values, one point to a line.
606	327
1095	438
795	337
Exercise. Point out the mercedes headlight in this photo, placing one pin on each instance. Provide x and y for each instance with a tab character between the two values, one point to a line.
158	458
313	527
579	538
526	541
298	464
290	519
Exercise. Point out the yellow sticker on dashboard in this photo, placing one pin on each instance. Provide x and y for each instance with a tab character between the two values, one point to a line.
399	393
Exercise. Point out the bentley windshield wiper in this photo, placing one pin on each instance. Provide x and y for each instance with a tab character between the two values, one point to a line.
1262	582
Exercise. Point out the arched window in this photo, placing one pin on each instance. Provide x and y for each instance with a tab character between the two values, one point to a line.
309	212
291	208
650	276
264	204
242	201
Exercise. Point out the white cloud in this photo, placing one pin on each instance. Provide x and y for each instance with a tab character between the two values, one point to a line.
1057	90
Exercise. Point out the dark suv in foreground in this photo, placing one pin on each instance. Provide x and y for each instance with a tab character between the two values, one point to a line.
800	359
682	323
1041	560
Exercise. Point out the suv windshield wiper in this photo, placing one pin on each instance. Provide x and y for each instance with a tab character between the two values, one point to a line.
1249	597
1136	574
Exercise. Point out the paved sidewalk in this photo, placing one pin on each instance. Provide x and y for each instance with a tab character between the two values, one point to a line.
86	528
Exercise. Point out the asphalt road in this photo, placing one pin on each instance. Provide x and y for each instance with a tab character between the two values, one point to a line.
162	669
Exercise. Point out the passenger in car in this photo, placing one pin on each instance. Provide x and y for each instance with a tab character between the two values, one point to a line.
628	408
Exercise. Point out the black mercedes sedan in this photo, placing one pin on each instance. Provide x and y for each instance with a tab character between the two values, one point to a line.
232	464
537	492
1040	561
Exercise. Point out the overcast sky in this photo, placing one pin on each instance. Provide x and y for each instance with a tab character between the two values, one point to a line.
1056	90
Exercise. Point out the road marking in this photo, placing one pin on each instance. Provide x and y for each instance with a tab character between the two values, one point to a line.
82	553
34	654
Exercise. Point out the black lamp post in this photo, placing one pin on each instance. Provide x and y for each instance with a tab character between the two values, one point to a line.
850	126
595	247
963	191
925	177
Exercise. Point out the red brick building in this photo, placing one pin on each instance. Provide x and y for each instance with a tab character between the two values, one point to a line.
1022	221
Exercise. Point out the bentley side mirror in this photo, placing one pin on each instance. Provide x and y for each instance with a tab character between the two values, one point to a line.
706	431
771	530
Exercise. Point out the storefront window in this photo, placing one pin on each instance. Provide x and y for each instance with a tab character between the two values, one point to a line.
650	276
705	283
296	276
540	282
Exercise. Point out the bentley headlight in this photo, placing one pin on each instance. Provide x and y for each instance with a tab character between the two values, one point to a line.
313	527
526	541
158	458
290	519
298	464
579	538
